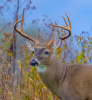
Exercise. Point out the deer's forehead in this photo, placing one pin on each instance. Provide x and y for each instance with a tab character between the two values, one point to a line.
41	46
37	48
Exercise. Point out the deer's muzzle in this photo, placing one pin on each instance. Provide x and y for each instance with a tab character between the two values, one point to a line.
34	62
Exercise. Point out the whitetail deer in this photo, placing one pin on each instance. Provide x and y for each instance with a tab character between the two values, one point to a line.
66	81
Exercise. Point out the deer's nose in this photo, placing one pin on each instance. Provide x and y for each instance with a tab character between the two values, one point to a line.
33	62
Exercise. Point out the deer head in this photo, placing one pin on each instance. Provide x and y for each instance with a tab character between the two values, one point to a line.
43	51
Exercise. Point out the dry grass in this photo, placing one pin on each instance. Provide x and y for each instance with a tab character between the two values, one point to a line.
28	85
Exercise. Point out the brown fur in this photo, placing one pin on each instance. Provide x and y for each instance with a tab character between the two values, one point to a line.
67	81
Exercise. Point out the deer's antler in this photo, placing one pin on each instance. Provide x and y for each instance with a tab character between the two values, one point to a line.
20	31
67	27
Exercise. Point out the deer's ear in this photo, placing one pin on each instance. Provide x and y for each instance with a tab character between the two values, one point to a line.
30	45
57	43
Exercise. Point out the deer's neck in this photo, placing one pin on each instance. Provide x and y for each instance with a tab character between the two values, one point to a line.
54	73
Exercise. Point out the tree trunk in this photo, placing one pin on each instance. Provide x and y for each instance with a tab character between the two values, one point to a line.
13	49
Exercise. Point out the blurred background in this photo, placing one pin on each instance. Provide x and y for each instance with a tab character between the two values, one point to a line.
20	81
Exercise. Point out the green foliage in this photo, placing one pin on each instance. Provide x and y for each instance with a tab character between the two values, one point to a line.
79	58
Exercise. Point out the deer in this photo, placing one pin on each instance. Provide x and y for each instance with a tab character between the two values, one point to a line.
66	81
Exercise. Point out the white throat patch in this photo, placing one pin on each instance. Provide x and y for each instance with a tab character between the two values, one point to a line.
41	68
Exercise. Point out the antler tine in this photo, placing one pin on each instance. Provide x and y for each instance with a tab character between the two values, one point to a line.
51	41
22	21
20	31
16	19
65	21
68	19
67	27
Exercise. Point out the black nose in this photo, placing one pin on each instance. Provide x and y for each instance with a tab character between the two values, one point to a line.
33	62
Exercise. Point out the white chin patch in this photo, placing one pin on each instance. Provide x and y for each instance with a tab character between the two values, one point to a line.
41	68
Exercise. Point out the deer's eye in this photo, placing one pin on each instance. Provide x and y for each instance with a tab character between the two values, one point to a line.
46	52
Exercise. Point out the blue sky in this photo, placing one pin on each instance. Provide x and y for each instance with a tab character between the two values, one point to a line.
79	11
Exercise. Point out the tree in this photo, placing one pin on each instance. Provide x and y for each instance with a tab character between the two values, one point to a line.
16	7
